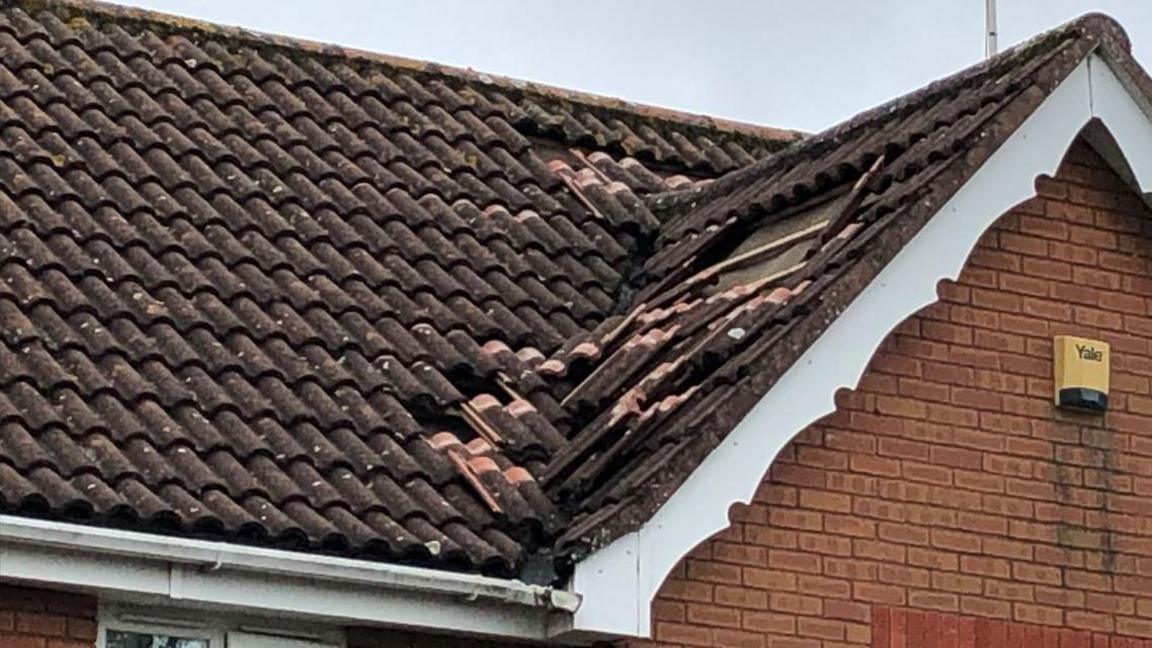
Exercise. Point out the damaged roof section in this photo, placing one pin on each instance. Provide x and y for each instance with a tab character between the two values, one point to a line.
279	293
750	269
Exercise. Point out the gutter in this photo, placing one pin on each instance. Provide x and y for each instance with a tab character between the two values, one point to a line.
198	573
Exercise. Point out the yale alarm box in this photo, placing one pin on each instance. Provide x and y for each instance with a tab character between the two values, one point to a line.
1081	373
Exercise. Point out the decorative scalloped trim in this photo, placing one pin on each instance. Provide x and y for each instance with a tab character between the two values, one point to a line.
640	561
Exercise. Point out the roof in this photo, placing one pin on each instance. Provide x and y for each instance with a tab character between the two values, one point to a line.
281	293
748	271
270	292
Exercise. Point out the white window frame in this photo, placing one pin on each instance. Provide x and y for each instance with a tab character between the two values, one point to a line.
221	630
162	626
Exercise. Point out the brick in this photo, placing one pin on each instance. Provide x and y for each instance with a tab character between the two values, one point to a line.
926	473
985	566
985	607
847	611
932	600
904	448
876	466
848	525
1009	591
1032	573
959	583
1087	580
902	533
825	500
821	458
880	551
1038	614
742	554
855	570
955	540
957	457
681	633
1134	627
1046	309
664	610
713	615
851	442
713	572
727	638
741	597
795	603
769	579
932	559
826	588
794	561
770	536
824	544
770	622
1095	622
1047	269
854	484
978	481
1043	227
903	575
686	590
879	593
1007	549
951	415
821	628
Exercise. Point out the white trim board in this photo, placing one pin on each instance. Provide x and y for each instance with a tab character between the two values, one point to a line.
151	569
639	562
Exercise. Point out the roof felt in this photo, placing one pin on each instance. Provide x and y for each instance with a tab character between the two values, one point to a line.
264	291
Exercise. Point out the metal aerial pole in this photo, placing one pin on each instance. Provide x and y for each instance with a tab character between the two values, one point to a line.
990	31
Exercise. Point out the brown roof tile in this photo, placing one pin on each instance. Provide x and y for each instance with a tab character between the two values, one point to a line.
245	280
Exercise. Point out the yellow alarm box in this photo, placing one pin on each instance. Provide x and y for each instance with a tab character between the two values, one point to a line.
1082	368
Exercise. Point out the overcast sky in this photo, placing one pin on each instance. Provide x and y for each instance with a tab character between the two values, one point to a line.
804	64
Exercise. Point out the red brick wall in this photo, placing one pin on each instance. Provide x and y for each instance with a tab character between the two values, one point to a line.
905	628
35	618
947	482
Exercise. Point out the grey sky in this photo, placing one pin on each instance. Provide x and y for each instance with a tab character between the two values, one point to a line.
802	64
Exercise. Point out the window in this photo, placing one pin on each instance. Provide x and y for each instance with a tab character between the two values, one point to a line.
131	639
135	627
131	631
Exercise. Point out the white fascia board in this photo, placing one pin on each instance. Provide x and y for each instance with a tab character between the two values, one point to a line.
640	561
194	573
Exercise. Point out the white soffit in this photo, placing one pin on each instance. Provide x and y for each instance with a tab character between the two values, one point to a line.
179	572
638	562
